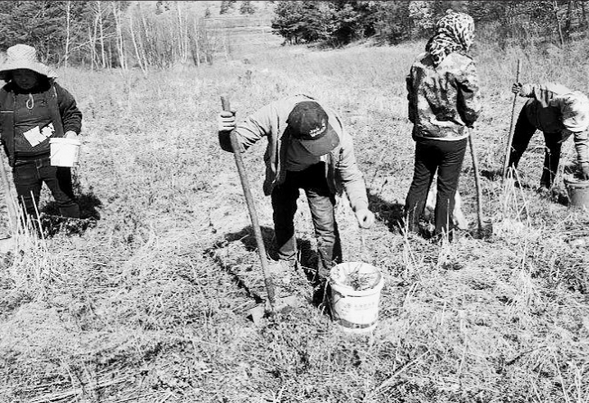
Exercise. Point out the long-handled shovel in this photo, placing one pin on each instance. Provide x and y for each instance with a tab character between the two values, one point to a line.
475	167
273	306
6	244
511	126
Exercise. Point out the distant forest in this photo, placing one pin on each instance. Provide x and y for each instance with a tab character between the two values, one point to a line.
123	34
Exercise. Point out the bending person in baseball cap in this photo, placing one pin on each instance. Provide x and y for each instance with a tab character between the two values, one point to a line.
308	148
559	113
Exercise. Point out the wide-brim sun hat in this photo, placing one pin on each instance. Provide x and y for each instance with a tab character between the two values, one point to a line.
309	124
24	57
575	112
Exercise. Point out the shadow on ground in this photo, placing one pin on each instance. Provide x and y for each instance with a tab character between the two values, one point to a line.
53	223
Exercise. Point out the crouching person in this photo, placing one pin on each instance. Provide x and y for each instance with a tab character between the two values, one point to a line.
559	113
309	149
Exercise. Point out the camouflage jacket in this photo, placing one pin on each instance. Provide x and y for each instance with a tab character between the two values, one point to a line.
544	111
443	100
342	171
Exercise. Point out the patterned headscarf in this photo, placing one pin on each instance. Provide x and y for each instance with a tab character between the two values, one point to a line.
454	32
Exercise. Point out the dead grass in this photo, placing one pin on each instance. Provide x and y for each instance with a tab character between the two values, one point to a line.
150	305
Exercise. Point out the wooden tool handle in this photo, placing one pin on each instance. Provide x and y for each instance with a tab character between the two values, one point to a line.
249	199
511	125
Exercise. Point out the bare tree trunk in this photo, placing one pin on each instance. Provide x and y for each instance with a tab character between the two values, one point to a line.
555	6
567	24
68	6
119	29
196	56
584	13
101	29
137	53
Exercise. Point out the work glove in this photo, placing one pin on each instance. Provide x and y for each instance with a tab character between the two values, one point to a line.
226	121
365	218
584	171
517	88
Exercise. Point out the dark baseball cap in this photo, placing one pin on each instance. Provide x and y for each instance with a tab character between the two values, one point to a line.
309	124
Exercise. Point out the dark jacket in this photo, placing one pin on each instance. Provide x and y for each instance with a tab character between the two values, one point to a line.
65	114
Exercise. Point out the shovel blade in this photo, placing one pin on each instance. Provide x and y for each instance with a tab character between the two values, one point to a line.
281	305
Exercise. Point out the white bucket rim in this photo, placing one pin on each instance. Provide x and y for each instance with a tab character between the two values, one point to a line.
64	140
346	289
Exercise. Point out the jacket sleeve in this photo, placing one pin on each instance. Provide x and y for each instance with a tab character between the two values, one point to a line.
582	146
350	175
469	97
251	129
71	116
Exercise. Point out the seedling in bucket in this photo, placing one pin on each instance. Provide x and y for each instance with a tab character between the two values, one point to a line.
354	296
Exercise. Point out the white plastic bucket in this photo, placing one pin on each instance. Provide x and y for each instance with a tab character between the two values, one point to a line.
64	152
354	296
578	191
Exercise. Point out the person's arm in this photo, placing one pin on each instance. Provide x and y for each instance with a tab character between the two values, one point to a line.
582	148
249	131
353	182
71	117
544	94
469	97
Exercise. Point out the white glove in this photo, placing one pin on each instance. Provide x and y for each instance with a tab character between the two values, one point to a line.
365	218
226	121
70	135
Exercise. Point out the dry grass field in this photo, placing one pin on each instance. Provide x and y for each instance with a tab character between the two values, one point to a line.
150	303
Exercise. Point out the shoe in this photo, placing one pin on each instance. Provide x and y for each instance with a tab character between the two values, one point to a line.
282	271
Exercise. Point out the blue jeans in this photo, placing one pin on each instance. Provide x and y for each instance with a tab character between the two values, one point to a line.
446	158
29	176
321	203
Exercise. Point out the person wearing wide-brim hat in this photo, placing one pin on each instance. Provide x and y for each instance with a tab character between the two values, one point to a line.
558	112
33	109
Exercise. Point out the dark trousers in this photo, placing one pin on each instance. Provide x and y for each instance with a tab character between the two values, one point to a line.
29	176
524	130
446	158
321	203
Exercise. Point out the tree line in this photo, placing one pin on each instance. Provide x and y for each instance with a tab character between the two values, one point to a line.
339	22
161	34
108	34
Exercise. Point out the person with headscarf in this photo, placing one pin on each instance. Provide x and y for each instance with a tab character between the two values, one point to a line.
444	100
558	112
33	109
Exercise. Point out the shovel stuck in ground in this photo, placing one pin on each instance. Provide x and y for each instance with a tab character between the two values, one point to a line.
484	227
8	241
273	304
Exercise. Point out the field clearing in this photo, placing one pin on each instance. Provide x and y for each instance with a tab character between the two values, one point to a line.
150	304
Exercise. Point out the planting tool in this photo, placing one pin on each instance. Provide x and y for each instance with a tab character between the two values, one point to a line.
274	305
475	167
7	243
511	125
